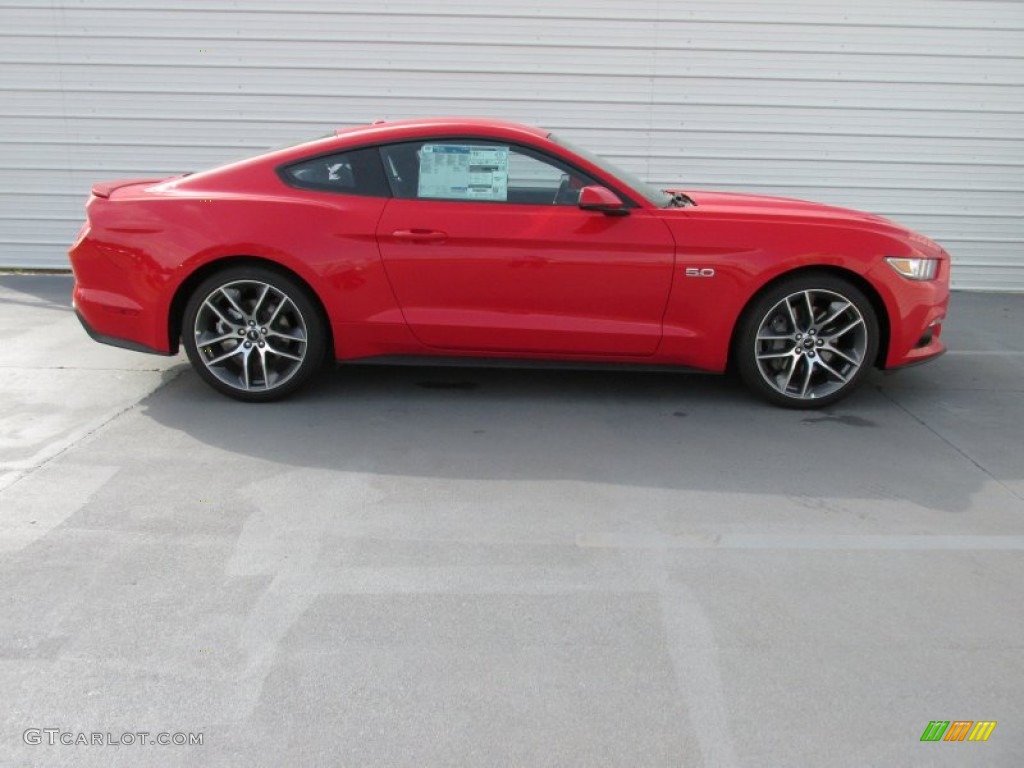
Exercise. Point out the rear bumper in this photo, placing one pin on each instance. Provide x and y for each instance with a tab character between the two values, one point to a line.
114	341
120	296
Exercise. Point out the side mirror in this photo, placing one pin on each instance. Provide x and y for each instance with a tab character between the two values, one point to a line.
602	199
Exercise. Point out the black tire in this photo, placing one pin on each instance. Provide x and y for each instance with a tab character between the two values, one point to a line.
253	333
794	361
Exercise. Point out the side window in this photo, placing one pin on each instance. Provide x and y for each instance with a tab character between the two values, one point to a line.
357	172
480	171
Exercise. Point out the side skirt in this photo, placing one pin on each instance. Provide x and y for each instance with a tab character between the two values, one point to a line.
513	362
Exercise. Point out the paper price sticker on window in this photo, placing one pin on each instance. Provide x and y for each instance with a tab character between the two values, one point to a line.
463	172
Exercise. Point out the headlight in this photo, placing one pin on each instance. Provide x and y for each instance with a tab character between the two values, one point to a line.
914	269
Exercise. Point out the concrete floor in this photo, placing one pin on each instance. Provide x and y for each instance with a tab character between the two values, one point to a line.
428	567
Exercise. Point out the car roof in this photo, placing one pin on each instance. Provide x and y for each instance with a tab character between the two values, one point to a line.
377	132
389	130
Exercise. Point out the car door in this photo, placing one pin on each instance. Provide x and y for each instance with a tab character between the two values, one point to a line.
487	250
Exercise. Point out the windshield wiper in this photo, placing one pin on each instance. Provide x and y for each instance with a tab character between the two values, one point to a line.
679	200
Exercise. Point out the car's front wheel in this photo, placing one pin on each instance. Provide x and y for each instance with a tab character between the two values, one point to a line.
253	334
807	341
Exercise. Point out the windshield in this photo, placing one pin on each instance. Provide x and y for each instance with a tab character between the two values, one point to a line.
654	195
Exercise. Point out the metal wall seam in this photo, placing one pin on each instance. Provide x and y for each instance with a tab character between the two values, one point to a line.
913	110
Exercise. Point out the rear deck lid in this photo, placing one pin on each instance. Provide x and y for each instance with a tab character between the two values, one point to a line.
106	188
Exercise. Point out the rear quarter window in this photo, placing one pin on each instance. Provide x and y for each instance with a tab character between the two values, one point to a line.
356	172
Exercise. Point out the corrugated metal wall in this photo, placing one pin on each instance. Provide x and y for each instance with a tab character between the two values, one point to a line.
913	109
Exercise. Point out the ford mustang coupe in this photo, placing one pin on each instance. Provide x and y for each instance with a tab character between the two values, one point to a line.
459	240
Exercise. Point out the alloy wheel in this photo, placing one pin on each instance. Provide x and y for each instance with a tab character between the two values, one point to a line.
811	344
251	335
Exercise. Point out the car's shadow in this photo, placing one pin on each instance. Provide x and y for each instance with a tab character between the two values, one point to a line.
639	429
47	291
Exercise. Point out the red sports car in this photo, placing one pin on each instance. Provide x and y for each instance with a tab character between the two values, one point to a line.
460	239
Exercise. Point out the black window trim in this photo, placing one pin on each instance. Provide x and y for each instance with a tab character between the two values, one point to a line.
627	197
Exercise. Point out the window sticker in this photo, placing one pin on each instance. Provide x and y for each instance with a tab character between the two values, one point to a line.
463	172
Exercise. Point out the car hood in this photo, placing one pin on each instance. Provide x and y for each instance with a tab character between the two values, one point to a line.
740	203
728	205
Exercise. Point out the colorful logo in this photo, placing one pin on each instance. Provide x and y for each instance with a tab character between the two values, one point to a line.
958	730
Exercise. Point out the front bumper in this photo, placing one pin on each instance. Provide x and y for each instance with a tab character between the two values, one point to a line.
916	310
928	347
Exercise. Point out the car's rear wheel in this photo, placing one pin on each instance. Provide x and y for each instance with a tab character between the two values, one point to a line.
253	334
807	341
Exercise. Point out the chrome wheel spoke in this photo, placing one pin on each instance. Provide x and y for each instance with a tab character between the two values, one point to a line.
233	303
789	376
219	340
845	330
281	353
824	323
831	371
259	303
263	367
835	351
286	337
807	377
209	305
774	355
245	368
792	314
810	310
225	356
280	305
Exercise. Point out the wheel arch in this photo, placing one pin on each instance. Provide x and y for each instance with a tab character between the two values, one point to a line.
858	281
181	296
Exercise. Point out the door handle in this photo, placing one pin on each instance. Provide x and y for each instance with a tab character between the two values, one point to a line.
420	235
